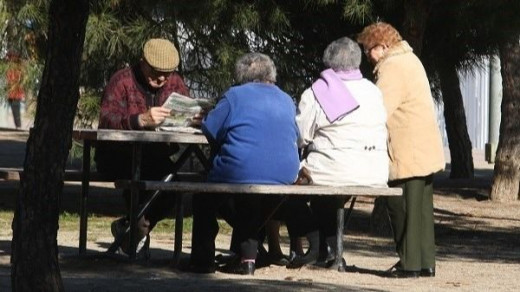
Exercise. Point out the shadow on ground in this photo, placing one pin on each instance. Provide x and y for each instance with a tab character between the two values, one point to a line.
98	272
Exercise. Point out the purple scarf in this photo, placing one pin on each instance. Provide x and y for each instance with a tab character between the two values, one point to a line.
333	96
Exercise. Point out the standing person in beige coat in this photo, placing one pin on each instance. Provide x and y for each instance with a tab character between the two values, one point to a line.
414	146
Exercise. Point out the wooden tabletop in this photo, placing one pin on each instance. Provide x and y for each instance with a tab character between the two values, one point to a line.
138	136
225	188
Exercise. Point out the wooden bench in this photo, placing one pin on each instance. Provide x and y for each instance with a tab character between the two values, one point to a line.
73	175
282	190
76	175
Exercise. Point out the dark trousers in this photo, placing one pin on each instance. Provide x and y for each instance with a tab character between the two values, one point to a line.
115	160
253	211
324	209
412	222
248	218
205	226
15	108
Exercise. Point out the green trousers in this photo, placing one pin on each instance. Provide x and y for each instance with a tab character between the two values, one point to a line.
411	217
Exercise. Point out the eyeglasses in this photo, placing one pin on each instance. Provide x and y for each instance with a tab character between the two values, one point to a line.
367	51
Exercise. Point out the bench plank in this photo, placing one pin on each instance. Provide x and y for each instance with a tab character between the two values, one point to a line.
224	188
70	175
132	136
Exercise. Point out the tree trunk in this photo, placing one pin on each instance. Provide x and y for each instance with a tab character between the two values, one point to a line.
506	177
414	24
456	129
34	255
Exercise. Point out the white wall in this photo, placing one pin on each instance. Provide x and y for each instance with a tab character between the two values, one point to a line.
474	87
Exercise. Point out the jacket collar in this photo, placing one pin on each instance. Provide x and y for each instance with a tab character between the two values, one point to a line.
399	49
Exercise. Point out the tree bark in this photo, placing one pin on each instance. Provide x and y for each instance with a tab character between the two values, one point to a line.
506	176
415	21
34	255
456	129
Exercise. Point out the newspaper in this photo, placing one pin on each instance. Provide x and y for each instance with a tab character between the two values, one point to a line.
183	108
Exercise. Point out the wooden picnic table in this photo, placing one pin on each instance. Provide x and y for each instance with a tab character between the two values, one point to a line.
89	137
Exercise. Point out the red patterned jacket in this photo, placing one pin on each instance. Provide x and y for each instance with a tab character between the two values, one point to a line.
127	95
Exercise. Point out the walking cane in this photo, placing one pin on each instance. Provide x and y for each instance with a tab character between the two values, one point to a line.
119	237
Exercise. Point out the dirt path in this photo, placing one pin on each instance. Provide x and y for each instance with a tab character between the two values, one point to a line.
477	244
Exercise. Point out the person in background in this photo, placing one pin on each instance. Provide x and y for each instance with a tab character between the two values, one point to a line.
252	134
132	101
15	90
415	147
342	123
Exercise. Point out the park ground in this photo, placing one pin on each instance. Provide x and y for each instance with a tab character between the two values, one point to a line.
478	245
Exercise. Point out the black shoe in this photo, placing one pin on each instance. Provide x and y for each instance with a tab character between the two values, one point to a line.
241	268
277	260
397	272
331	264
142	251
265	258
262	257
118	227
301	260
327	254
403	274
221	259
293	255
429	272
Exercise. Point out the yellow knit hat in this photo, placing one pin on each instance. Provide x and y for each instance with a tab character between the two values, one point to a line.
161	55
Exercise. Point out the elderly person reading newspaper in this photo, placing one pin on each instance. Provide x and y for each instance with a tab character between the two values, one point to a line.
341	119
132	101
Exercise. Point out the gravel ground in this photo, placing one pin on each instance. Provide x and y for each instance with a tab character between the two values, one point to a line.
477	246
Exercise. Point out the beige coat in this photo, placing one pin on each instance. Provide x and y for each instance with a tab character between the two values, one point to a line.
414	143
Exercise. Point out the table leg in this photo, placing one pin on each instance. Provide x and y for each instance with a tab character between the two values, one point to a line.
338	262
342	221
84	198
202	158
134	198
185	155
179	218
349	212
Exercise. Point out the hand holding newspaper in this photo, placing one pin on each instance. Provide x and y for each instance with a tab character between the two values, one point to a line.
183	108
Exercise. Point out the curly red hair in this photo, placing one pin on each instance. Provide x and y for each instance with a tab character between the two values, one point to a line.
379	33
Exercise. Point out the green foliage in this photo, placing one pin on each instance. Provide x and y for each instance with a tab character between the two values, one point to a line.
211	34
88	109
358	11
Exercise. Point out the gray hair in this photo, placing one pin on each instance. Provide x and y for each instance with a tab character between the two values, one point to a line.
342	54
255	67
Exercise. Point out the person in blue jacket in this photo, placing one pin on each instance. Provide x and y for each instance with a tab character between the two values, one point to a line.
253	138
